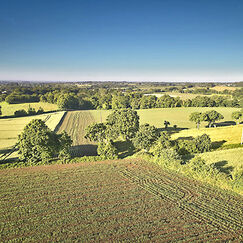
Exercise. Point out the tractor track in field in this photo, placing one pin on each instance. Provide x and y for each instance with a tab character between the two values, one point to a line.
186	199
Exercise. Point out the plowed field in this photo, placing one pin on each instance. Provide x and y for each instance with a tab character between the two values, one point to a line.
113	201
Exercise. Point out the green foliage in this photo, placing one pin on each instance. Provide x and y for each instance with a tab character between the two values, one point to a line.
0	110
237	115
65	143
96	132
196	117
124	122
67	101
107	150
197	168
19	113
31	111
145	137
199	144
166	123
212	116
163	142
38	143
168	158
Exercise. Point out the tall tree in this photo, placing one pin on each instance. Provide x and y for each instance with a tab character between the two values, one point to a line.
196	117
124	122
212	116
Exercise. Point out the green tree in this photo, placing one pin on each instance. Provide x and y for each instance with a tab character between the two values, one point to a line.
166	123
96	132
145	136
0	110
237	115
38	143
67	101
124	122
107	150
196	117
212	116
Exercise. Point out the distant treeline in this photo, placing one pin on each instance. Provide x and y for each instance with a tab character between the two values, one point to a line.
73	96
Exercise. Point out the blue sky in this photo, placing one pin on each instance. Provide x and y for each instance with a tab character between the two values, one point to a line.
136	40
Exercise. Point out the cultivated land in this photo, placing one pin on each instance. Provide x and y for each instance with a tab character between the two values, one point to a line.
9	109
10	128
74	124
127	200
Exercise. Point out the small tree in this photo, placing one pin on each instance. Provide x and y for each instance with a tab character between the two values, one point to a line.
145	136
0	110
237	115
196	117
166	123
212	116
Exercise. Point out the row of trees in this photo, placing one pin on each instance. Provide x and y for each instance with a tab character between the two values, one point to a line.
124	124
209	116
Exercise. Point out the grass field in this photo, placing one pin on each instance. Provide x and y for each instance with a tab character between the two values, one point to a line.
229	134
9	109
115	201
11	127
227	159
176	116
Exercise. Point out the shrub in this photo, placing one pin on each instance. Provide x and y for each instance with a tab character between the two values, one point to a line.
199	144
19	113
107	150
169	158
31	111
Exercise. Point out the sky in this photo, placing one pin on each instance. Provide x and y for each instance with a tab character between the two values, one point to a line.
132	40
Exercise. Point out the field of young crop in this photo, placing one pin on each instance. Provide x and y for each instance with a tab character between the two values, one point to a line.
227	135
11	127
113	201
9	109
74	124
226	159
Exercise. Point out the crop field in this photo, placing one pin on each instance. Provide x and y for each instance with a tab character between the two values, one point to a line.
9	109
226	135
222	88
227	159
74	124
129	200
10	128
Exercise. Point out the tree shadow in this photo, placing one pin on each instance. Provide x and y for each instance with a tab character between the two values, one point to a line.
217	144
222	167
125	148
171	130
225	123
84	150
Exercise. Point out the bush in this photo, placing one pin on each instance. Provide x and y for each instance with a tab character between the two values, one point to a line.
199	144
107	150
31	111
19	113
169	158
